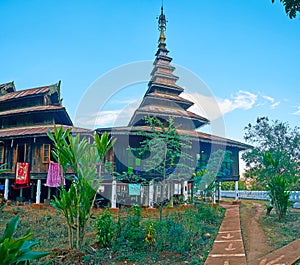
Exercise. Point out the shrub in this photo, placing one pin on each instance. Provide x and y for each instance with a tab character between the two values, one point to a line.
105	227
279	196
130	233
17	250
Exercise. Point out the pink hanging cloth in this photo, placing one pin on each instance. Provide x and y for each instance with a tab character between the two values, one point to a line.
55	175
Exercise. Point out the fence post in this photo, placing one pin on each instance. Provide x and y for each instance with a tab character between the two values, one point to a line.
6	189
114	194
38	191
236	190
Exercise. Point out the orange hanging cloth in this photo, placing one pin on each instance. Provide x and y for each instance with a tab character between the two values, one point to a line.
22	177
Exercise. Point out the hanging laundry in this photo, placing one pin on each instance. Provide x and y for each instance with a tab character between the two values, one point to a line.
22	176
55	175
134	189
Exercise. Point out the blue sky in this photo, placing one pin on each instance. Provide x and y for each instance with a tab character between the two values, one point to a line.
246	52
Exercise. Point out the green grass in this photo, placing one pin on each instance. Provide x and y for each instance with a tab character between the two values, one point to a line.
278	233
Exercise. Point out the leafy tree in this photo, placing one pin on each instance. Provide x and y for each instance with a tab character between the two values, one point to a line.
282	143
218	165
231	185
164	154
291	7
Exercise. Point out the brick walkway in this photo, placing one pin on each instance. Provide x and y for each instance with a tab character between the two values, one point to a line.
228	248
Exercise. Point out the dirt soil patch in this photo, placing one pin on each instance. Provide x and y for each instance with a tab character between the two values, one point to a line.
255	241
265	234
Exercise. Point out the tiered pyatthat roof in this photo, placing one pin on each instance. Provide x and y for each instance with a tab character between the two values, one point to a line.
31	107
162	98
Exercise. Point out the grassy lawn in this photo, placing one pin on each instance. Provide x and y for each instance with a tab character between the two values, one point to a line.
281	233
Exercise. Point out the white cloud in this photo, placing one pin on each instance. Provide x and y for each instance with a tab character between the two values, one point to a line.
124	101
100	119
269	98
213	107
276	104
109	118
298	111
242	100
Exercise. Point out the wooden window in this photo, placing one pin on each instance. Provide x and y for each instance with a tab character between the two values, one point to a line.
2	154
46	153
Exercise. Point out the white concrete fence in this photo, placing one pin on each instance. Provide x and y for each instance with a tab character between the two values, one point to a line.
256	195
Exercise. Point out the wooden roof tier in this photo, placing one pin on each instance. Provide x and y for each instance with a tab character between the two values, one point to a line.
38	131
34	106
193	135
44	90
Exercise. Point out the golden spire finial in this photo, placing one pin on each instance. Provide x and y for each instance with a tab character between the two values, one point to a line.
162	27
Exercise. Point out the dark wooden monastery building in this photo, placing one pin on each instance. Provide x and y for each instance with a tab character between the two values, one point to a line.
162	100
27	115
25	118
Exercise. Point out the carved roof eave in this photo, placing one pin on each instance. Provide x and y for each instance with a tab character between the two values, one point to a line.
7	88
55	89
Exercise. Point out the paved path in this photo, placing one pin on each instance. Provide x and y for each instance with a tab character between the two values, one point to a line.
228	248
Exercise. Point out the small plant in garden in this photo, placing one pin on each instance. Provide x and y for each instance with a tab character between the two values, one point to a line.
17	250
277	183
81	157
150	233
130	234
105	228
279	195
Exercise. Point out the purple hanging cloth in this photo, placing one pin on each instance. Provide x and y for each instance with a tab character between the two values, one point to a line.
55	175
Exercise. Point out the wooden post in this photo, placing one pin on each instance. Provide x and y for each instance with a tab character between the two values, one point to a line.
114	194
214	194
236	191
6	189
151	194
185	190
142	194
49	193
38	192
219	191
